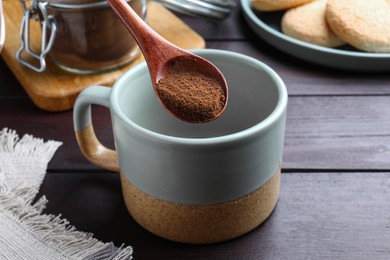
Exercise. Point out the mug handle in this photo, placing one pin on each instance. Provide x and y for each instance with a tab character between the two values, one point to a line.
89	145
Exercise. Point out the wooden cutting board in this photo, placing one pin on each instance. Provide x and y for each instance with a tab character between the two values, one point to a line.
55	89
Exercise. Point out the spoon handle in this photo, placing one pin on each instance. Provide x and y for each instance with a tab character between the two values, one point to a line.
154	47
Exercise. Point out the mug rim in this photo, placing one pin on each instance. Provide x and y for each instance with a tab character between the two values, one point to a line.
276	113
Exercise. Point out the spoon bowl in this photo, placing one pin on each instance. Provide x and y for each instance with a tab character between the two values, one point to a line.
165	59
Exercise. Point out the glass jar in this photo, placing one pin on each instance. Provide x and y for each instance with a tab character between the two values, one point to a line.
81	36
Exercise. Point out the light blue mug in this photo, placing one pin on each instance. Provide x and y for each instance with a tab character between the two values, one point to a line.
193	183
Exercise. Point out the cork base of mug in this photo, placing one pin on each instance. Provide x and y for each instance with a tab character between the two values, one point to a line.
202	224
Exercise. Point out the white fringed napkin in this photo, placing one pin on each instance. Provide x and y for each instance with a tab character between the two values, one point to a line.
26	233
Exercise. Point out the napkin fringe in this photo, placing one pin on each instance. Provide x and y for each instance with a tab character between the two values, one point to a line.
27	146
54	231
23	165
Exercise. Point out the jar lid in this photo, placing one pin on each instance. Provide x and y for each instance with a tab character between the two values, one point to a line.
76	4
74	1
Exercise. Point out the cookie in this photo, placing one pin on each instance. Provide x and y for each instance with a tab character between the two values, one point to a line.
361	23
308	23
276	5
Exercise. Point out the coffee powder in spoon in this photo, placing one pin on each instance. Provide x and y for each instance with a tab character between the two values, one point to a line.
191	94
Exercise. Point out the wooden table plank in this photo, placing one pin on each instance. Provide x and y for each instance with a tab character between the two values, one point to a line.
318	216
9	85
322	132
24	117
335	192
304	78
338	132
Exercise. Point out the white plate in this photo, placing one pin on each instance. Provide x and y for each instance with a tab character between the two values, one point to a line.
267	26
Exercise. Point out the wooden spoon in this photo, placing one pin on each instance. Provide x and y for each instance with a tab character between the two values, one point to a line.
200	91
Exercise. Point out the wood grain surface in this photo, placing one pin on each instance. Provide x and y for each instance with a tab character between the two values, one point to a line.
318	216
323	133
335	192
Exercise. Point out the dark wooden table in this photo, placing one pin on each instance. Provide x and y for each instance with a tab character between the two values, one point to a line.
335	193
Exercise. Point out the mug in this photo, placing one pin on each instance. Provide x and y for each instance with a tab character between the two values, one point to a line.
193	183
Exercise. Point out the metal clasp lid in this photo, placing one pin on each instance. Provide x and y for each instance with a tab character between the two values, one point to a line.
210	9
36	11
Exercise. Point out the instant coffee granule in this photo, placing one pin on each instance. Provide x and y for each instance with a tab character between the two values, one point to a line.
191	94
